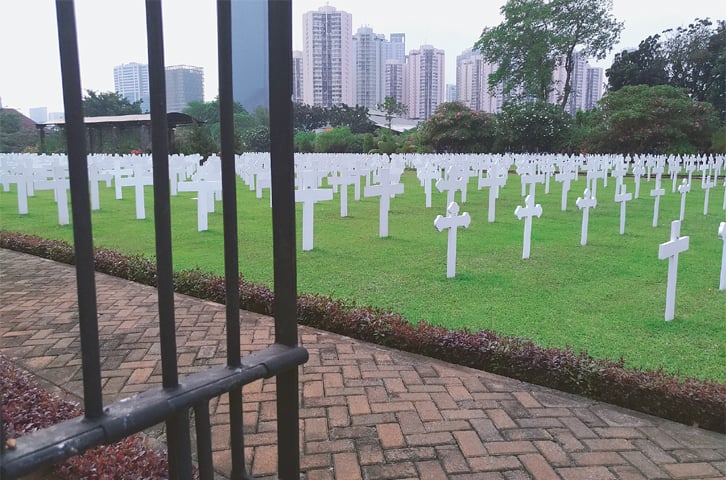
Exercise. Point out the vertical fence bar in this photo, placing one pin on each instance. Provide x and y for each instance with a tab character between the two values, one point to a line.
283	229
81	207
204	441
178	441
229	214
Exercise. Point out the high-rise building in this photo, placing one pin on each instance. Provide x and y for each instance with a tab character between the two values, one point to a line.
593	89
396	47
451	93
297	76
394	80
472	82
369	67
585	86
131	81
250	47
328	57
184	84
424	85
38	114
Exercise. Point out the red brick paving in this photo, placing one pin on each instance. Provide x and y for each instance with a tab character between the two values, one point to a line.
367	412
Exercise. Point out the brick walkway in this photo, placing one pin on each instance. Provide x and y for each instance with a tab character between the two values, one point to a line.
367	412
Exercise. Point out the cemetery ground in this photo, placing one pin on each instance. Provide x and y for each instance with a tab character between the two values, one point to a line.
607	297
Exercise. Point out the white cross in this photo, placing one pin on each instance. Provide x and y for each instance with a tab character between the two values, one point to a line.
657	192
308	194
691	167
451	184
452	221
623	197
674	167
384	190
683	189
531	179
494	180
527	212
57	180
565	176
585	204
638	171
548	168
205	190
706	184
671	250
342	179
592	177
722	235
620	170
425	175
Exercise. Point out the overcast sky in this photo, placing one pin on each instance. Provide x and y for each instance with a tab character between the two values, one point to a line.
112	32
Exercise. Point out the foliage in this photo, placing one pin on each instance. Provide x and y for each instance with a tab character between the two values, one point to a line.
718	140
392	109
644	66
195	138
100	104
455	128
687	400
586	134
27	407
335	140
356	118
658	119
304	141
537	35
309	117
15	135
532	127
255	139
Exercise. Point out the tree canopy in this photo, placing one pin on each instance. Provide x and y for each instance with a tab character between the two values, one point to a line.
644	66
537	36
455	128
101	104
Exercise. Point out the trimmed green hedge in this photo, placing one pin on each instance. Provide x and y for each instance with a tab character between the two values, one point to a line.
686	400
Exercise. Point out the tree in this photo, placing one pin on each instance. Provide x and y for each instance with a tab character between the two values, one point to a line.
455	128
16	135
356	118
658	119
532	127
537	36
392	109
644	66
103	104
309	117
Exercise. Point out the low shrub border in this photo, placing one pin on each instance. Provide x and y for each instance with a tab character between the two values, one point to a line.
686	400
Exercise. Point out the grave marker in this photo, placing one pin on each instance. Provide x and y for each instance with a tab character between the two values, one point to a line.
638	171
384	190
623	197
706	184
494	180
452	221
527	212
657	192
585	204
670	250
683	189
565	176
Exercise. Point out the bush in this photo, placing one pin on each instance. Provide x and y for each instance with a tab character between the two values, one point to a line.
455	128
532	127
685	400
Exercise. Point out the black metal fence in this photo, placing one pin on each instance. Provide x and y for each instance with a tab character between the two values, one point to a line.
171	403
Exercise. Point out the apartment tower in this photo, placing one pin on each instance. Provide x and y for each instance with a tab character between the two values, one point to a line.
425	82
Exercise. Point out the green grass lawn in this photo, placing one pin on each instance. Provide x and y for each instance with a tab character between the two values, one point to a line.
607	297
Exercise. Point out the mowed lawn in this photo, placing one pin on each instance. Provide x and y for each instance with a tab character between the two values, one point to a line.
607	297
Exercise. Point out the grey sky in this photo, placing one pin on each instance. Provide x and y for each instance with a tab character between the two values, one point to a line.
112	32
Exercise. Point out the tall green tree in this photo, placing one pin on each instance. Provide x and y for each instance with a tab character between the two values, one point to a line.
309	117
644	66
392	109
538	35
101	104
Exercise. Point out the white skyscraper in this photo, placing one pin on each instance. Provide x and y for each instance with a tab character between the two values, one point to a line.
425	82
297	76
394	80
131	81
184	84
328	58
594	83
472	82
396	47
369	67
